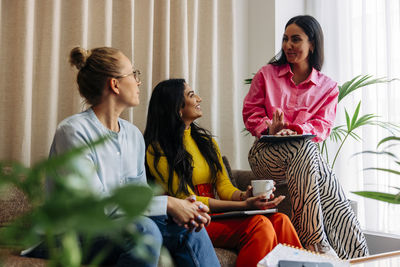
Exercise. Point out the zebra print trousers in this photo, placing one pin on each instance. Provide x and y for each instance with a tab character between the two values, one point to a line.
321	213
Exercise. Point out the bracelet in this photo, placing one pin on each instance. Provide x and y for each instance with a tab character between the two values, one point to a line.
241	196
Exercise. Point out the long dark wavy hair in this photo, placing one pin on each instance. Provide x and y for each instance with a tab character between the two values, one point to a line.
313	30
164	132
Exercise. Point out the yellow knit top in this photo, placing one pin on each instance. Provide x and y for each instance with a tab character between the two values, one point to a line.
201	171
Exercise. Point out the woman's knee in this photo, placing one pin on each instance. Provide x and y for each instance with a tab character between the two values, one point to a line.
261	225
147	226
282	222
279	218
262	234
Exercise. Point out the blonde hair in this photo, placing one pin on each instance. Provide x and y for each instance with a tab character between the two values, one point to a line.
95	67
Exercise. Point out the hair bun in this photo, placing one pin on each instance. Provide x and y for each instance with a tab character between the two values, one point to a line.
78	57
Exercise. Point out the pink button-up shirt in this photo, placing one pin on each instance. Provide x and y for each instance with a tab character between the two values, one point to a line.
309	107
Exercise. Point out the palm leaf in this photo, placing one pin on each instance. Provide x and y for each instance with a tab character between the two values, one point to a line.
389	138
390	154
366	119
248	81
391	127
359	82
386	197
355	115
347	119
384	170
355	136
338	133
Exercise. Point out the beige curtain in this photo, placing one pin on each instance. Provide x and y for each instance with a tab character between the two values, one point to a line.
192	39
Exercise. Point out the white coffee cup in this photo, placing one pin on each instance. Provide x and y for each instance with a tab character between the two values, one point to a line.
262	187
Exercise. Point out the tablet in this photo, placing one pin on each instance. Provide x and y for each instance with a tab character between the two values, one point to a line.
283	263
278	138
241	213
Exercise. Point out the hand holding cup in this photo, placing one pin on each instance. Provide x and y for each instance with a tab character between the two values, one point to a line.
261	187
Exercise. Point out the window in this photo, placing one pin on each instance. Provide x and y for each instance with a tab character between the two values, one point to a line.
362	37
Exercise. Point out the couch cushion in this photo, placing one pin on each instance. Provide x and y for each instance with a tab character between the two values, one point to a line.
226	257
13	203
10	258
229	170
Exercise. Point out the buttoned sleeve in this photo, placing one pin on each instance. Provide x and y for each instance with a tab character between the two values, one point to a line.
254	111
67	138
158	204
96	162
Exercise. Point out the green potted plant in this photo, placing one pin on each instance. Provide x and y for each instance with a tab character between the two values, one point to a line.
340	133
70	211
382	196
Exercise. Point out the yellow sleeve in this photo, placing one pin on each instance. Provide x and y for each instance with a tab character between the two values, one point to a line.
225	188
163	169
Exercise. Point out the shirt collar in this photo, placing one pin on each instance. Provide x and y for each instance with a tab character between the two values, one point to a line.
285	70
313	77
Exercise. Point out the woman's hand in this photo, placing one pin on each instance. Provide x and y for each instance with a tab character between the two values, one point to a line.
247	194
188	213
285	132
261	203
277	123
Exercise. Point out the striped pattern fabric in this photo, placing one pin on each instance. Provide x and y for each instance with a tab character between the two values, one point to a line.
321	213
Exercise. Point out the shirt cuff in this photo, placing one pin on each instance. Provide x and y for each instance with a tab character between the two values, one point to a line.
259	130
295	127
158	206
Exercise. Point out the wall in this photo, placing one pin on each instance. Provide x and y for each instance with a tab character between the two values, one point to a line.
284	10
258	38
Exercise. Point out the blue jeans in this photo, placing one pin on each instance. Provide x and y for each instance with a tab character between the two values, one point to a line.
122	255
187	249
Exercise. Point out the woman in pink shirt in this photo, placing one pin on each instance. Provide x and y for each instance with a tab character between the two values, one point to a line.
291	96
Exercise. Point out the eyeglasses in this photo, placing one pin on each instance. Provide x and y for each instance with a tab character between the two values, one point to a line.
135	74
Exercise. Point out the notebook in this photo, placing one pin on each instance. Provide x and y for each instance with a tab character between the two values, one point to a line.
287	253
278	138
241	213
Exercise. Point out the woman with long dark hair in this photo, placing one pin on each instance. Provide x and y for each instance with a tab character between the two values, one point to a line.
110	84
185	160
291	96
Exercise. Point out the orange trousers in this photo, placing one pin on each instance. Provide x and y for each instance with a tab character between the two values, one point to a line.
253	237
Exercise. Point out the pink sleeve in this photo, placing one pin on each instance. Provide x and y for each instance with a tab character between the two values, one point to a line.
254	112
321	122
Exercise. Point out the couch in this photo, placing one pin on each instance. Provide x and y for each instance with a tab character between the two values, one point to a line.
13	203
